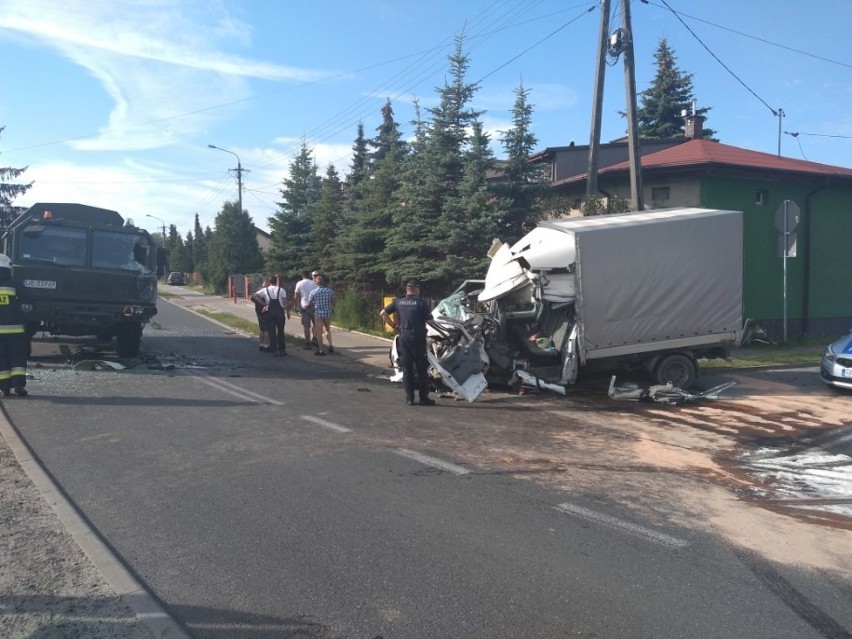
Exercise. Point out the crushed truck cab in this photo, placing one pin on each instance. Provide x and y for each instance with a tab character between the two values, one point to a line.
84	272
651	291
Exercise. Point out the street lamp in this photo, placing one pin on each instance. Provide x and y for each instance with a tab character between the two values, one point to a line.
164	241
161	222
239	173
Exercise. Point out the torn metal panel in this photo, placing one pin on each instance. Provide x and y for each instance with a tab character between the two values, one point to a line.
662	393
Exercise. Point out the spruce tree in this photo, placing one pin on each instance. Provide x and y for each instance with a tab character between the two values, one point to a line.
660	114
364	236
470	217
359	169
290	227
9	191
326	222
521	185
430	216
411	246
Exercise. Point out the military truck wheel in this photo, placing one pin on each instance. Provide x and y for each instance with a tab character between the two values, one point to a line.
127	340
677	368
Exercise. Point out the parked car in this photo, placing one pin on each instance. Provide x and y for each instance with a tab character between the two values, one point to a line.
836	365
175	279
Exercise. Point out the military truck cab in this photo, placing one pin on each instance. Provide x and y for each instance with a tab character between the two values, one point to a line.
84	272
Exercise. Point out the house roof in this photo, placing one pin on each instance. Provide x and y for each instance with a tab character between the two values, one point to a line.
705	153
584	148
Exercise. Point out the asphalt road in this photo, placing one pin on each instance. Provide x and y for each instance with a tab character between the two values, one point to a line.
263	497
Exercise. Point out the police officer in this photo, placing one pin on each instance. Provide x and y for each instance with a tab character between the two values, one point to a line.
414	314
13	339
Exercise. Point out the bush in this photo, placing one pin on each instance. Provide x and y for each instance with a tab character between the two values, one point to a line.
357	310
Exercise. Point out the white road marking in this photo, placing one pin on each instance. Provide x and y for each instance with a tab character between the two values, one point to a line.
434	462
326	424
235	390
641	531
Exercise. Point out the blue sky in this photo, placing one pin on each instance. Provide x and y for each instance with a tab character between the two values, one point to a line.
113	102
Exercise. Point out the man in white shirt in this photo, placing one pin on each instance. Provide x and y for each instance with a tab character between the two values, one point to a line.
274	299
303	291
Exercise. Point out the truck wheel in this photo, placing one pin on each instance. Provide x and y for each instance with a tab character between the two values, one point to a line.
127	340
677	368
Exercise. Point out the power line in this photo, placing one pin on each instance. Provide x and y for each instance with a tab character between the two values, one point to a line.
799	142
753	37
715	57
534	45
822	135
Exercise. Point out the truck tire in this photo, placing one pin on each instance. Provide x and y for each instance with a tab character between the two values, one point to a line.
127	340
677	368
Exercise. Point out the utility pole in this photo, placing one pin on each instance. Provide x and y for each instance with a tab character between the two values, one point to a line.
636	198
239	173
780	115
597	105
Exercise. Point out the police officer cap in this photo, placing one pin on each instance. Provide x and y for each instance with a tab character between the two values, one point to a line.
413	282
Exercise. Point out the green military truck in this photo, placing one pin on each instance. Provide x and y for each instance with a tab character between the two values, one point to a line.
84	272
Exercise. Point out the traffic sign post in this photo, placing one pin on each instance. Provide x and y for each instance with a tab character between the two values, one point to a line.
786	220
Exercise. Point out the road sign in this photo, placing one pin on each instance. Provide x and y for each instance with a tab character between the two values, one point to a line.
789	210
790	245
786	220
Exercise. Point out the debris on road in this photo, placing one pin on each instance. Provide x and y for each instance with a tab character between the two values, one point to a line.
662	393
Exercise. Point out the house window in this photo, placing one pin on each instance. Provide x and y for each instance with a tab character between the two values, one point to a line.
761	198
660	193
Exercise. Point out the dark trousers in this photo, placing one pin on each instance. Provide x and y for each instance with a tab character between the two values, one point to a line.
13	361
273	323
413	360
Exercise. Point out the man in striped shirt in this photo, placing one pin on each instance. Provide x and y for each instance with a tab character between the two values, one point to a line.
321	301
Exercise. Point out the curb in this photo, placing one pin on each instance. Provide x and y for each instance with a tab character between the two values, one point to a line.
147	608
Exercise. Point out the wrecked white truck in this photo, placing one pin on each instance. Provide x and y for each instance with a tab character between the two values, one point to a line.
651	292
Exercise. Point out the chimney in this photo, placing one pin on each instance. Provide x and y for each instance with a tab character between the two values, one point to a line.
693	124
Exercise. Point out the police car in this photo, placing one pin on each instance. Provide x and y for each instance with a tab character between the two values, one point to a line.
836	365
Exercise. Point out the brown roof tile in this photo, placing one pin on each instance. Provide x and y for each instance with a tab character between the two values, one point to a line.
706	152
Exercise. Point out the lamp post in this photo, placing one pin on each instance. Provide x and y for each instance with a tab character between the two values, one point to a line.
239	173
164	238
164	226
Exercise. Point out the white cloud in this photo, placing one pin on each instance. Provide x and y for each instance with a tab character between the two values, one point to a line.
156	59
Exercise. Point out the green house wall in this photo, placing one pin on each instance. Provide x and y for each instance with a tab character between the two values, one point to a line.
819	278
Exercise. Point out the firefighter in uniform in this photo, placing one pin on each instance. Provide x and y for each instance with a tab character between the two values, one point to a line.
13	339
414	314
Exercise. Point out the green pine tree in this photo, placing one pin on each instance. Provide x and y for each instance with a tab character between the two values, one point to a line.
521	185
326	223
431	212
660	114
199	244
361	254
9	191
359	169
290	227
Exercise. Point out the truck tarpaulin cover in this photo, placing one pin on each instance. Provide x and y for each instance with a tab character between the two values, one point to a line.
633	257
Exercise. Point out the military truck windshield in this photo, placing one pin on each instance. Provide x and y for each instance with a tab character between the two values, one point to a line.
56	245
125	251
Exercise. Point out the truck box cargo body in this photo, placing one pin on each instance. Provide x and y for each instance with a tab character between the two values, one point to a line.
653	291
656	281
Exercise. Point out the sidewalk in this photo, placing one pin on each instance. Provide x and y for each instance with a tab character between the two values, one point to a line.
350	347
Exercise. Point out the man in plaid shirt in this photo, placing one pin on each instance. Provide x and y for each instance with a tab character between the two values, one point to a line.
321	300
